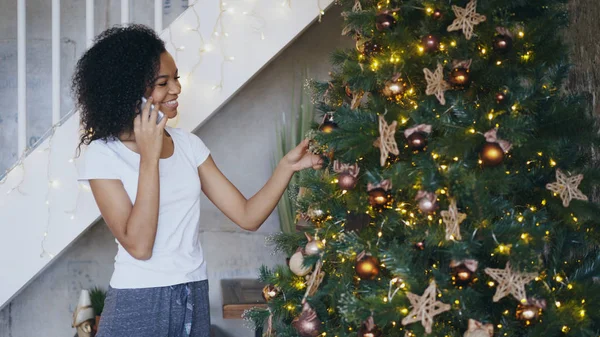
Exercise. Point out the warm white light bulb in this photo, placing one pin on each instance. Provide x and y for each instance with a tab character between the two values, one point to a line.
208	47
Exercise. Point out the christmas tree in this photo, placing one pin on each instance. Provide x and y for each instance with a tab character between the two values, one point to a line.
456	200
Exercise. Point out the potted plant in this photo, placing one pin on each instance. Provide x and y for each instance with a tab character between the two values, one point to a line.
290	132
98	295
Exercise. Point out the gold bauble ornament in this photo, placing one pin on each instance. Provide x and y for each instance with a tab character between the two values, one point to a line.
492	154
314	246
394	88
270	291
367	268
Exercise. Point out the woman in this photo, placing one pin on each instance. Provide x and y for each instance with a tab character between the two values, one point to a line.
146	179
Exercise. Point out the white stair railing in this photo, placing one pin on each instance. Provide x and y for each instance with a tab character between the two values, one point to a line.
218	47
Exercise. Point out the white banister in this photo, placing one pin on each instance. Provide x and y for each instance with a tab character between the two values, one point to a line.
21	77
158	16
89	22
55	61
124	12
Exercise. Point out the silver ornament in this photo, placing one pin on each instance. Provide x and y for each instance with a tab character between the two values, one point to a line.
314	247
427	205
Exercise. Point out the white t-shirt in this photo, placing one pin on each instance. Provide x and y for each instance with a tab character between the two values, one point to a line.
177	256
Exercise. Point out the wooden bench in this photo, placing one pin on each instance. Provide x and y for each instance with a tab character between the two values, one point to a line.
240	295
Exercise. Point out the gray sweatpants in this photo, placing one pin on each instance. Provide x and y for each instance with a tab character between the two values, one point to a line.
175	311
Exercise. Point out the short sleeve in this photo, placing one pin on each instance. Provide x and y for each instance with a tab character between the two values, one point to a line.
98	162
199	150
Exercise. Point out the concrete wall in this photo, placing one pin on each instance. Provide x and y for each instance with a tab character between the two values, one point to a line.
241	137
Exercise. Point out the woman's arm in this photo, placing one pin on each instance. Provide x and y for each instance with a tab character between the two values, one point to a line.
133	225
250	213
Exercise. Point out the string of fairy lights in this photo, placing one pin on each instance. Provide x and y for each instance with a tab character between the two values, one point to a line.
217	37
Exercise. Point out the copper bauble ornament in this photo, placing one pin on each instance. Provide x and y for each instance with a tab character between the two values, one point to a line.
437	14
297	264
269	292
460	78
347	174
462	275
420	245
307	324
394	89
502	44
347	181
367	268
384	21
430	43
491	154
528	312
417	141
378	197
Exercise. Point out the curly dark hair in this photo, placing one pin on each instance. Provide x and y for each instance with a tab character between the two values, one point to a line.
111	77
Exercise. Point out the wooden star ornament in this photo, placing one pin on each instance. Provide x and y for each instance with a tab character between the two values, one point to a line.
425	307
452	218
510	282
566	187
386	141
466	19
436	84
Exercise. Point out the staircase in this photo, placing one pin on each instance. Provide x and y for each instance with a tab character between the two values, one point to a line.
218	47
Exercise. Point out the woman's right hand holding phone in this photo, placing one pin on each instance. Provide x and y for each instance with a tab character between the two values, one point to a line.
149	133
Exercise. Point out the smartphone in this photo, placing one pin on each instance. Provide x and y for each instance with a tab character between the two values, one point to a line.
160	114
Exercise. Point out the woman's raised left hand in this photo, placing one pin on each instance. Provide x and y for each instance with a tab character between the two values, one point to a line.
300	157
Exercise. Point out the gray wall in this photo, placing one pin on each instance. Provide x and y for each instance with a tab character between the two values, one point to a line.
241	137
